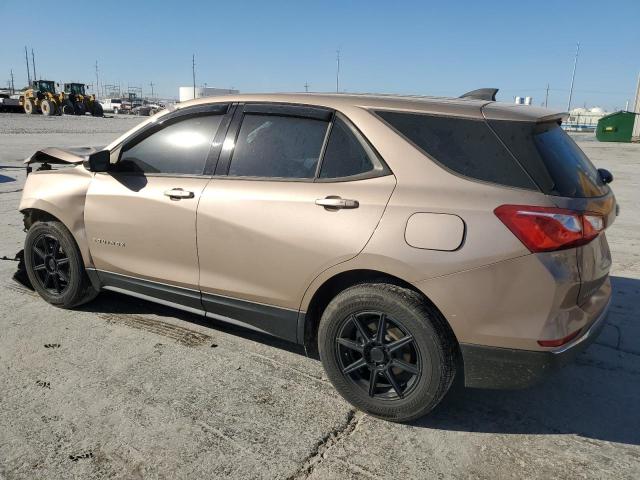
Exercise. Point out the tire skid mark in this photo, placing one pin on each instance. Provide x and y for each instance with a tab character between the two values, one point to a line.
182	335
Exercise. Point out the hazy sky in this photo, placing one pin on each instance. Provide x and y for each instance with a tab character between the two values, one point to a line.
426	48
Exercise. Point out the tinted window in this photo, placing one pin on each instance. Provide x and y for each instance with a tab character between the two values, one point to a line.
345	156
277	146
552	158
179	148
467	147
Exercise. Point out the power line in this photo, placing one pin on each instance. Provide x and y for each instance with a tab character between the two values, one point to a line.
306	87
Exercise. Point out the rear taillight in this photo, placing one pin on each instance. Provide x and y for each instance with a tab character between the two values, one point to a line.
544	229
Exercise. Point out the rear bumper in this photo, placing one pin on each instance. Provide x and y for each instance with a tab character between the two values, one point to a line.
507	368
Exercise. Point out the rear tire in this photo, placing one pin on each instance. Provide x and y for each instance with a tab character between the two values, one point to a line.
97	110
399	375
54	265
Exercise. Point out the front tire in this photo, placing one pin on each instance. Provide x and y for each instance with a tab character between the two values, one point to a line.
29	106
55	267
48	108
387	351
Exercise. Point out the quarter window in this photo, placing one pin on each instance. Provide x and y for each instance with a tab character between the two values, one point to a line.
344	156
278	146
465	146
180	148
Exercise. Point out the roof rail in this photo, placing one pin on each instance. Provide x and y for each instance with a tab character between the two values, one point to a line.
482	94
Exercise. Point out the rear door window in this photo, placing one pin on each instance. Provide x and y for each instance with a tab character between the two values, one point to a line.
465	146
552	158
278	146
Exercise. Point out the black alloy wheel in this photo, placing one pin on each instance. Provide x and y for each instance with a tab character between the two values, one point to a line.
378	354
54	265
387	350
50	264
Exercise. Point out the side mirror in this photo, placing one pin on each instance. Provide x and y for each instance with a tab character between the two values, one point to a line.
605	175
98	161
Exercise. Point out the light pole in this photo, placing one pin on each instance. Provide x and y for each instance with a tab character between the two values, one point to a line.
573	76
338	71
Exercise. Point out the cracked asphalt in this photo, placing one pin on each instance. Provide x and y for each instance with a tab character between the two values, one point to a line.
126	389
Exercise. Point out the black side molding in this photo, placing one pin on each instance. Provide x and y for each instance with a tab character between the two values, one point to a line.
269	319
276	321
488	94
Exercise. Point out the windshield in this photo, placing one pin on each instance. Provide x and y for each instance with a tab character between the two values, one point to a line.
551	158
76	89
46	86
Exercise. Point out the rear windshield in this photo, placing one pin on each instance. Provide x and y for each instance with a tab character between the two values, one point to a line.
465	146
552	158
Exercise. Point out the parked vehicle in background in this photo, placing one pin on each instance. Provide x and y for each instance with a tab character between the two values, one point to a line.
111	105
408	240
42	97
77	102
147	109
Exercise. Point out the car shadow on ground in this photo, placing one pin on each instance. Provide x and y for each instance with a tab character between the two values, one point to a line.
116	303
596	397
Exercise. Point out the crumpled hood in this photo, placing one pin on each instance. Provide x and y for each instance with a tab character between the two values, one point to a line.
71	155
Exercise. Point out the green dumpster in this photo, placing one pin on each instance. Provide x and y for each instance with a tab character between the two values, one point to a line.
616	127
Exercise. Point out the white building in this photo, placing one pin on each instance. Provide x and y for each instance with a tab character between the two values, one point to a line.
587	117
187	93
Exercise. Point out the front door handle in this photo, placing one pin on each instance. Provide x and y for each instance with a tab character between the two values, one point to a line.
336	203
178	194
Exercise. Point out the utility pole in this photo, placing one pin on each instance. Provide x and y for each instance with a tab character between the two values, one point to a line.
338	71
193	71
306	87
33	64
13	87
573	76
636	108
26	57
97	82
151	85
546	97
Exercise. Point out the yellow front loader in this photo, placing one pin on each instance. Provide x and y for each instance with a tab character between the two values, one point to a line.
41	97
78	102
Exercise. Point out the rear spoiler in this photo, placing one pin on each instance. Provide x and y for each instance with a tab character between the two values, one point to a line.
522	113
59	156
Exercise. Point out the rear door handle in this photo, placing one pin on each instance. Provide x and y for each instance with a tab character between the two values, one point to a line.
336	203
178	194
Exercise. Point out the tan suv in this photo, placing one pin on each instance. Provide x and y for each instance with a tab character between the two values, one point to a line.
408	240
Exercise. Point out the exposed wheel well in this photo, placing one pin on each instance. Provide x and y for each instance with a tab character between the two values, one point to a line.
32	215
340	282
